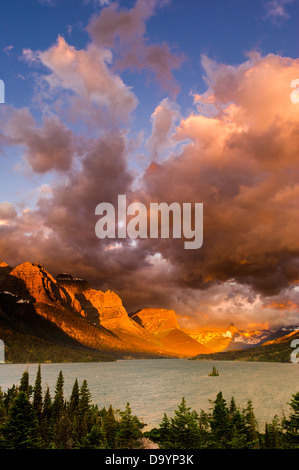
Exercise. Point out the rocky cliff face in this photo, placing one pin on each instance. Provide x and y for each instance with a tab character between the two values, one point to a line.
156	320
30	281
164	326
30	285
103	308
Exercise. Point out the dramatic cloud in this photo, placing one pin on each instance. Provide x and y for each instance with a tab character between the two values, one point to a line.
242	163
125	32
98	95
47	147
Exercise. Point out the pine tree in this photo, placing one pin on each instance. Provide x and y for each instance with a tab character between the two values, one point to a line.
291	425
184	429
95	439
84	412
237	434
219	422
73	411
74	399
10	396
47	422
164	436
129	433
24	384
20	430
251	426
84	399
58	404
272	438
37	394
62	438
110	428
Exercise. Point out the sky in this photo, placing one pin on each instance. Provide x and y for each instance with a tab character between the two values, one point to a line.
161	101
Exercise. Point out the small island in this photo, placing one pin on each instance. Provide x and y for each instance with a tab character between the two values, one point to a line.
214	372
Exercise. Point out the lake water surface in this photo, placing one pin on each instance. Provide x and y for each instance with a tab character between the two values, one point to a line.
154	387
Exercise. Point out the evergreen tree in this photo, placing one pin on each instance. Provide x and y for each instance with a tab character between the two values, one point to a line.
291	425
219	422
237	434
184	430
20	430
47	422
24	384
84	413
129	432
251	426
273	436
74	399
37	394
204	428
110	428
58	403
84	399
9	397
62	438
164	436
95	439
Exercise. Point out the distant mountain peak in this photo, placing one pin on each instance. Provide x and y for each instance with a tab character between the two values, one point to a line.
232	329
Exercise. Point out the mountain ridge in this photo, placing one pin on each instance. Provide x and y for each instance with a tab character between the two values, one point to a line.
63	319
91	319
233	338
276	350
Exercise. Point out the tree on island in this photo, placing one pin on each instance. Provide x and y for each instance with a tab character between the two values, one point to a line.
214	372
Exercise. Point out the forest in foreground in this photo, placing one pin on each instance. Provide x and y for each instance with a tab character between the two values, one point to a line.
31	419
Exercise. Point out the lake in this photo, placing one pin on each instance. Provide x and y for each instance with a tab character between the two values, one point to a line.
154	387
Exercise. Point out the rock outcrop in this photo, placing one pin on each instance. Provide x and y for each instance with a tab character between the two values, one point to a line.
164	326
32	282
103	308
155	320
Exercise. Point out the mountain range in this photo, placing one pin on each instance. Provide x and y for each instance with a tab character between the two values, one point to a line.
275	350
43	318
63	319
232	338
